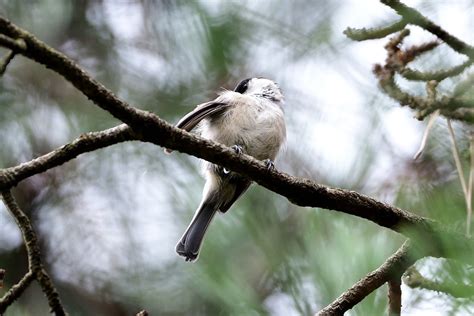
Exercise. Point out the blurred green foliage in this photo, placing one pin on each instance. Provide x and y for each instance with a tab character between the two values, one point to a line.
109	220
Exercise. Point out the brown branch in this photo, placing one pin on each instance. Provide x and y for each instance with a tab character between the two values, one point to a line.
414	17
149	127
35	264
394	297
85	143
414	279
393	266
5	61
15	291
16	45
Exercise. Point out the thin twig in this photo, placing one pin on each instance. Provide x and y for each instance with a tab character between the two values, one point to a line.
15	291
34	255
5	61
16	45
392	267
85	143
457	161
426	134
470	184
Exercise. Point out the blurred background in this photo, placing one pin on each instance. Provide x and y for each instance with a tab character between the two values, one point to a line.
109	220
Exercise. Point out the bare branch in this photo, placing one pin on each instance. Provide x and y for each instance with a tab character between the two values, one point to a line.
85	143
394	297
393	266
16	291
34	255
16	45
5	61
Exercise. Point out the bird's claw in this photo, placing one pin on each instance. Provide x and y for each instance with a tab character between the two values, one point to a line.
269	164
238	150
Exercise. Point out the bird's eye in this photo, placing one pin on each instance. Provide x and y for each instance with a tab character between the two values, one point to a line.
242	86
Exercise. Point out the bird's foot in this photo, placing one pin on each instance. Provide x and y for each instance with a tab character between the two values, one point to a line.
238	150
269	164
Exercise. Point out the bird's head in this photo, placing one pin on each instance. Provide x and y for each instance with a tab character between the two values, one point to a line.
260	87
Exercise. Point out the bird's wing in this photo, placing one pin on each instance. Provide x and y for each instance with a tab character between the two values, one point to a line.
190	120
240	187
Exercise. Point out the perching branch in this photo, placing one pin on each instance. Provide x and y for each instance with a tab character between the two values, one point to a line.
392	267
35	265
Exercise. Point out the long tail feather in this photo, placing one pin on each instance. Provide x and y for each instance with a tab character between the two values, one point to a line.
191	241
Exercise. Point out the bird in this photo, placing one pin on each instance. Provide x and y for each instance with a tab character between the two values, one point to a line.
250	120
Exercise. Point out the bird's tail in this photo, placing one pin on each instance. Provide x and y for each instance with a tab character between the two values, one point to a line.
189	245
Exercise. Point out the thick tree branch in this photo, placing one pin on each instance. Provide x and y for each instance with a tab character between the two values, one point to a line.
393	266
35	264
149	127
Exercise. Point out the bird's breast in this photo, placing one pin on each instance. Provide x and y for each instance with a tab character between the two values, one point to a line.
258	127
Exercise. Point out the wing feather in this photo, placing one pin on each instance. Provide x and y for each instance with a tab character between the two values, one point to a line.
190	120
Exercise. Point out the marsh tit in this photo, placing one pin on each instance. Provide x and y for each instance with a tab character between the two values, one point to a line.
250	120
